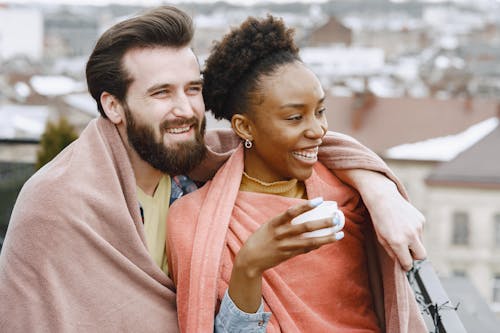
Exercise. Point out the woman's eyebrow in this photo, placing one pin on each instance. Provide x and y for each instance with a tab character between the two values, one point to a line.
300	105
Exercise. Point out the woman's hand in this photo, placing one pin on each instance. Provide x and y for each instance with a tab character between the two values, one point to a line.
273	243
279	240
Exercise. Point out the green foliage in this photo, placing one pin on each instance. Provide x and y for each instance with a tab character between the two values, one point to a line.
12	178
55	138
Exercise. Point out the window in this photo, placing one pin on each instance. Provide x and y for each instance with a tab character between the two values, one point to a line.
459	273
496	231
496	289
460	228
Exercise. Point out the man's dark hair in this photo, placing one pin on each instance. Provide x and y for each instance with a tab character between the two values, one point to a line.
164	26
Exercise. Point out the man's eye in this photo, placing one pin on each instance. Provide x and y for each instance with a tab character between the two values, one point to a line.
195	89
160	93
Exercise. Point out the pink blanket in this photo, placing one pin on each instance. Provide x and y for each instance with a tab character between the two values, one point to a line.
77	260
207	228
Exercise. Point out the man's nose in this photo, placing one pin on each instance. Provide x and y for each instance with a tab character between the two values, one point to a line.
182	106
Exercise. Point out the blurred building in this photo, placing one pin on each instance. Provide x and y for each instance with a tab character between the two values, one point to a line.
21	34
69	34
464	216
333	32
381	123
396	33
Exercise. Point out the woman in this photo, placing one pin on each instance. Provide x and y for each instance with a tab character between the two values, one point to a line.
216	242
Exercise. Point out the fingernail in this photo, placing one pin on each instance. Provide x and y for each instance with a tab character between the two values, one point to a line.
339	235
335	220
316	202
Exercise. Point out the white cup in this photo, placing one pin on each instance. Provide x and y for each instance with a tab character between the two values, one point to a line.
325	210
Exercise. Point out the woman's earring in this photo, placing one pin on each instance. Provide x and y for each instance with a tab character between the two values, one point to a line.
248	144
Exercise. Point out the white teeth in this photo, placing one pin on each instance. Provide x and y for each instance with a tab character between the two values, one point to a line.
178	130
307	154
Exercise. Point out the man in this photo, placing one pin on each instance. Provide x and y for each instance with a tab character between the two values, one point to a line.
86	241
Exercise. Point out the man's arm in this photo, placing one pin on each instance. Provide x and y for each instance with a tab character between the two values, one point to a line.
220	145
397	223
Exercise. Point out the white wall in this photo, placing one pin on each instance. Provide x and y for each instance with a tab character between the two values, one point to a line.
480	259
413	174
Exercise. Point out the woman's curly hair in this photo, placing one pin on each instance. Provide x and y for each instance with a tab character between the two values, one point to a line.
235	64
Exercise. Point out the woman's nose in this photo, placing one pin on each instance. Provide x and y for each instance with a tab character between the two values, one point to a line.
317	129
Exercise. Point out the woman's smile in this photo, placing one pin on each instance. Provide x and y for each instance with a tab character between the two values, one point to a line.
308	156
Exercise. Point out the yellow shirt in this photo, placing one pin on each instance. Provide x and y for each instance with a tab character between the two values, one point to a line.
155	210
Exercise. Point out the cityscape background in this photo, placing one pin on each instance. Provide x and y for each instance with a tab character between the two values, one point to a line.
416	81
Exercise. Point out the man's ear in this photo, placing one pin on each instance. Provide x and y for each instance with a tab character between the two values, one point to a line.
112	108
242	126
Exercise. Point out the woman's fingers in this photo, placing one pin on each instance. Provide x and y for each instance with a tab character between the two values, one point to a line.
278	240
295	211
295	246
294	230
338	221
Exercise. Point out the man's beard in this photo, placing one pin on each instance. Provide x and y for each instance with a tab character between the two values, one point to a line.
181	158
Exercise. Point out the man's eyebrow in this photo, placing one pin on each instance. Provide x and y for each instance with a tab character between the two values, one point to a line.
300	105
196	82
155	87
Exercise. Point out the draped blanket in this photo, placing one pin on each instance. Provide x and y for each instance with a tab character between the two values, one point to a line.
309	293
75	257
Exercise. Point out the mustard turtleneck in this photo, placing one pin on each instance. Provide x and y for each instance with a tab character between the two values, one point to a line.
287	188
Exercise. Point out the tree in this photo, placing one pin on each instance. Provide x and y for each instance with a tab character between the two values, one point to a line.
55	138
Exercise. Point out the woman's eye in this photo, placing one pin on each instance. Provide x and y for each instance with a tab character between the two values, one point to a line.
295	117
321	111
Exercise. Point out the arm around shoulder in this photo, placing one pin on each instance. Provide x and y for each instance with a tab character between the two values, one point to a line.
397	223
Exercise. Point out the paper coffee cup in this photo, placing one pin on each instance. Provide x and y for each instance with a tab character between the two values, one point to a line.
324	210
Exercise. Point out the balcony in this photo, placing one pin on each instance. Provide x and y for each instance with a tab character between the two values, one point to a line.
469	313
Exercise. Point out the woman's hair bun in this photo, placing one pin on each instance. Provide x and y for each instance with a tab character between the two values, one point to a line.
238	53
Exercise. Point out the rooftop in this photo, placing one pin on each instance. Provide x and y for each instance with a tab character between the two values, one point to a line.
443	148
382	123
478	165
